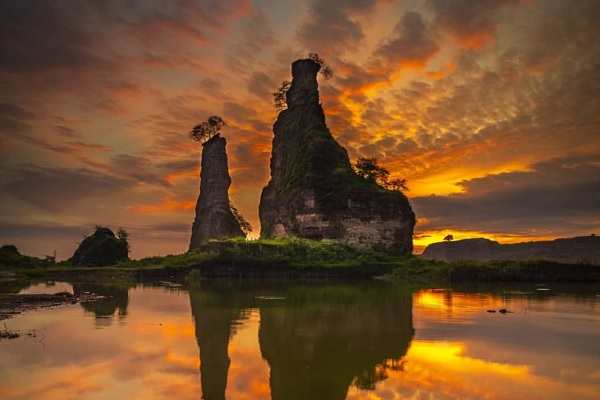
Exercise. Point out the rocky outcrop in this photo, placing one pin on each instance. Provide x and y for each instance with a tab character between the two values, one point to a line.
100	249
214	219
313	192
577	249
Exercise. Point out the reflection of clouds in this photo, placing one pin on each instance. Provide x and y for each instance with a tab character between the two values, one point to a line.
150	354
461	352
444	370
248	376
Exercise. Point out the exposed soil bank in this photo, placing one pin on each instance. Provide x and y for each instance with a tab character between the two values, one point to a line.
13	304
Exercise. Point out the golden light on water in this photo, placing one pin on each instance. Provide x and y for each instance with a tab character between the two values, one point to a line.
458	351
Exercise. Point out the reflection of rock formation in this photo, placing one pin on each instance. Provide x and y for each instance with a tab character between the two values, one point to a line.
327	339
214	315
318	341
116	300
214	219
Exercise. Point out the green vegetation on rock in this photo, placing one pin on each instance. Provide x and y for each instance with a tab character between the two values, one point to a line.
102	248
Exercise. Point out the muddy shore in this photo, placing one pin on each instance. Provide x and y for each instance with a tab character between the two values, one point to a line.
12	304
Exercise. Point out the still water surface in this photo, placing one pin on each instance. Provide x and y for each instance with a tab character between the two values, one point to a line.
288	342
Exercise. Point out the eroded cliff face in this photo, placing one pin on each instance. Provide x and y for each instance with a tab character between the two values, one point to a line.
214	219
313	192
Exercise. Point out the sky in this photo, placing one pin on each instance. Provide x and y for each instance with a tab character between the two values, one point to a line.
489	109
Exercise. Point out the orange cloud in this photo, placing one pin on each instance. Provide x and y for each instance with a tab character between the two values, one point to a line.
181	175
165	207
441	73
475	40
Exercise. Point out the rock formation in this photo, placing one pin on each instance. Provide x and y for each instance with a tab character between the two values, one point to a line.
100	249
577	249
214	219
313	192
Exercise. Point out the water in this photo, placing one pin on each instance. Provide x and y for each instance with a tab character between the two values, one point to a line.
359	341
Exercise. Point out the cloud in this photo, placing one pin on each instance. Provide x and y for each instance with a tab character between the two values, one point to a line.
15	119
137	169
44	36
257	39
471	22
410	47
54	189
11	230
261	85
561	193
333	26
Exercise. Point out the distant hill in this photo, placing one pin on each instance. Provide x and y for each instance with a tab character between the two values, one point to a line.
576	249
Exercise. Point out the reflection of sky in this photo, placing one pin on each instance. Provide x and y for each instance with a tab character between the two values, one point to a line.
545	349
49	287
249	372
151	353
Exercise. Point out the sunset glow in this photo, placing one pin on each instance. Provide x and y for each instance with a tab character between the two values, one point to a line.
487	108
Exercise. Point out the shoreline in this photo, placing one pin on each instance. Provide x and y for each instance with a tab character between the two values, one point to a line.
12	304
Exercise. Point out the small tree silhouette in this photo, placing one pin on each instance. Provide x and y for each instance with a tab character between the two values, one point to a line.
280	96
398	184
244	225
368	168
204	131
449	238
326	70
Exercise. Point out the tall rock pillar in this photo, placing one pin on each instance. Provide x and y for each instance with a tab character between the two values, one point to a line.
313	192
214	219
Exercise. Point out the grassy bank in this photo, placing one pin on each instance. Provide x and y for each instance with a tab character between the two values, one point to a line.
300	258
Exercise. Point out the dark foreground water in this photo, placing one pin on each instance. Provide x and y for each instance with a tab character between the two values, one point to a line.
287	342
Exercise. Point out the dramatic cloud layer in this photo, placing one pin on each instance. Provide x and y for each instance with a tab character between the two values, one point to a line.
488	108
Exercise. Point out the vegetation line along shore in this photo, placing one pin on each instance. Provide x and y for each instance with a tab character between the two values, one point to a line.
295	257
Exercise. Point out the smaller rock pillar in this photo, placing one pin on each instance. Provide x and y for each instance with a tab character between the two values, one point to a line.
214	219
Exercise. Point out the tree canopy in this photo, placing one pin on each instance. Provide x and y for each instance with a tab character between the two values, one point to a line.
326	70
102	248
204	131
368	168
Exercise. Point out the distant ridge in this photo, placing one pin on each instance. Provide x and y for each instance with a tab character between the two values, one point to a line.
576	249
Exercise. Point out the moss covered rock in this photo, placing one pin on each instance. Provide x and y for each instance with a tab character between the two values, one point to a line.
314	192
